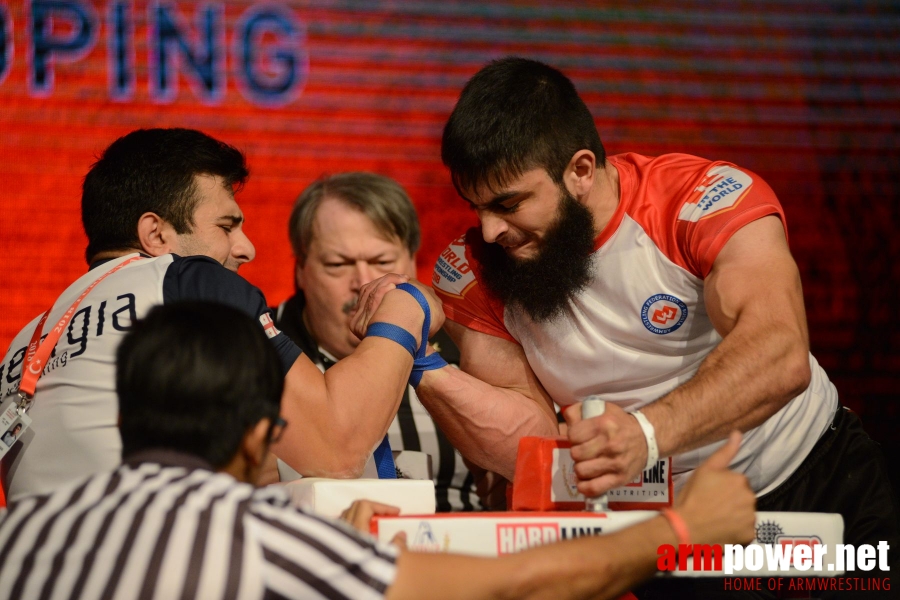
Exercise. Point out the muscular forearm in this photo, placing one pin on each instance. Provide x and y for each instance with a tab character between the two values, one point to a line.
337	418
364	393
753	299
749	377
484	422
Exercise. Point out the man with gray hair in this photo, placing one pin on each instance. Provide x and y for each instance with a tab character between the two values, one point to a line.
347	230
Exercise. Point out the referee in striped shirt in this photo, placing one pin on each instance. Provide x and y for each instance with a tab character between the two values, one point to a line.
346	230
199	389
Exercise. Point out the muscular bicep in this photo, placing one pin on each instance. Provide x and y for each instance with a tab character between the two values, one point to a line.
336	418
755	282
498	362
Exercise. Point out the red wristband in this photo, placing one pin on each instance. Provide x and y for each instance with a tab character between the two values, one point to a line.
678	526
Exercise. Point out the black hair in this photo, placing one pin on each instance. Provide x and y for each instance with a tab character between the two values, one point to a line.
514	115
151	170
194	377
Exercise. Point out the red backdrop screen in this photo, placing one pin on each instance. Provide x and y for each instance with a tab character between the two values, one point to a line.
805	94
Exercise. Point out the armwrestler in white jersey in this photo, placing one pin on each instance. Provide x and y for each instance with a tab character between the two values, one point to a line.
664	284
168	195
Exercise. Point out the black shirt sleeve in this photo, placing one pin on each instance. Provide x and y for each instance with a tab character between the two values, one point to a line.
202	278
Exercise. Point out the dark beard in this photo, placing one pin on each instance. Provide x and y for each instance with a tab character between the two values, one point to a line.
543	285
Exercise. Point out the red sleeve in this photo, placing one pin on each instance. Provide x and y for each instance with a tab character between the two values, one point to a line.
724	199
465	300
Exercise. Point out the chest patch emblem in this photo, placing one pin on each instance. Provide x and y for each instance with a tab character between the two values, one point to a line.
663	313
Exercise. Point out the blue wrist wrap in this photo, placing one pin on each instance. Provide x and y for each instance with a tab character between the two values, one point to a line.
426	324
426	363
395	333
422	363
384	460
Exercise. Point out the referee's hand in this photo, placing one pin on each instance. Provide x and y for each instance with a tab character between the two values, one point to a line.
359	516
717	504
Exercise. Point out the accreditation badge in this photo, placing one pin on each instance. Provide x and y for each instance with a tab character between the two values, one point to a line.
13	424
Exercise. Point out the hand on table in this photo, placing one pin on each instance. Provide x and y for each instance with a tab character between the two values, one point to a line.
359	516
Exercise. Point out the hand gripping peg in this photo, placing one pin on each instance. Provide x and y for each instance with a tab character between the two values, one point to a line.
593	406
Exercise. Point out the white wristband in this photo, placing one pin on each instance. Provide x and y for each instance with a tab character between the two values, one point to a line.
650	437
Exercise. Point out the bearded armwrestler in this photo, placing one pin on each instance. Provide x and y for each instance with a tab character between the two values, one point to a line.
663	284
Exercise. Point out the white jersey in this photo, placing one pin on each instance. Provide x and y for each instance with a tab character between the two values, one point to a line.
640	329
74	431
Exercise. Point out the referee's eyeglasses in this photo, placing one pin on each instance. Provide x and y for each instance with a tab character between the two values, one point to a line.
276	429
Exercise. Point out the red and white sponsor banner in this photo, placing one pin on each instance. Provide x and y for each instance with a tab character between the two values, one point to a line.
496	534
545	480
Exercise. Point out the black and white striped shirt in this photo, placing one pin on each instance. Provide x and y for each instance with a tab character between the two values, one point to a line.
164	525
